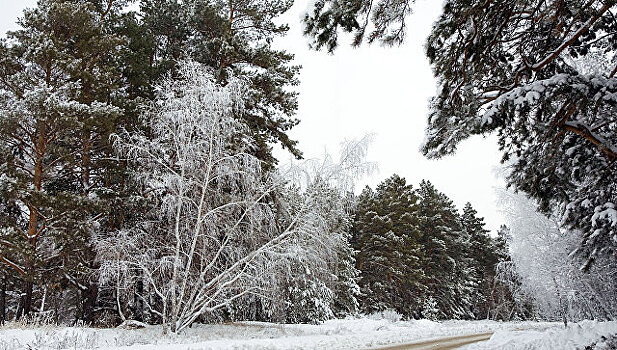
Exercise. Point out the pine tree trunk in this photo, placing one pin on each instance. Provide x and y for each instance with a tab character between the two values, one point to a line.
89	297
138	313
3	303
33	223
37	181
85	162
25	303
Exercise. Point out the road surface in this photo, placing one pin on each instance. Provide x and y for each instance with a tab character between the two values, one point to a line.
441	343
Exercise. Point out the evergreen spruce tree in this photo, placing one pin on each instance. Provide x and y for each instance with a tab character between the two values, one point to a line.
308	298
346	275
390	252
346	289
500	243
318	292
447	267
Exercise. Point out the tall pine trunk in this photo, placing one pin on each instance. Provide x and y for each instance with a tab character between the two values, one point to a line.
89	297
34	230
3	303
138	311
25	302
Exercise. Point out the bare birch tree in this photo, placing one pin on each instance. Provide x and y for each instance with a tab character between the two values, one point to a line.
218	227
210	219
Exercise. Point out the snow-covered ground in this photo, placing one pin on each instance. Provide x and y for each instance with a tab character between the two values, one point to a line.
334	334
576	336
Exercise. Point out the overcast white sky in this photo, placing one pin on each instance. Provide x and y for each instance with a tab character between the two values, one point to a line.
374	90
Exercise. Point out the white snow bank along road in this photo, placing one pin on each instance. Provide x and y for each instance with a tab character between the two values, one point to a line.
361	333
576	336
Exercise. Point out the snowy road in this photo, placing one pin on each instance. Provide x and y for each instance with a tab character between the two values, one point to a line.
441	343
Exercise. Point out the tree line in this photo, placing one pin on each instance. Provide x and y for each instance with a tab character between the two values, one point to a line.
419	256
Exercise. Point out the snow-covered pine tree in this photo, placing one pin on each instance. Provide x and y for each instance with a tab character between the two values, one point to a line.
385	19
58	77
373	254
389	250
231	36
552	113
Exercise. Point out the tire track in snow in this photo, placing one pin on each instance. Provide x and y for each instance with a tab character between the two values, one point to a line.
441	343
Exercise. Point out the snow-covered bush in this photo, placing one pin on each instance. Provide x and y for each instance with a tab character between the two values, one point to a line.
388	315
430	309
